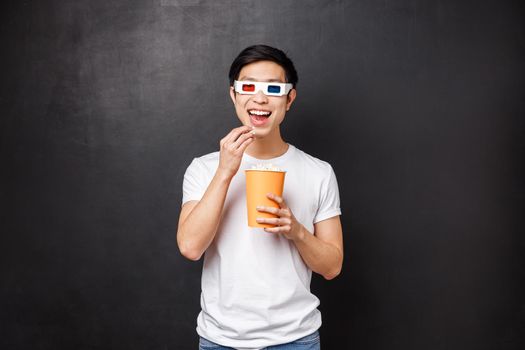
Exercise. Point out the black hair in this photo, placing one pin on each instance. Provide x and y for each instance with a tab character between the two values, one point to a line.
257	53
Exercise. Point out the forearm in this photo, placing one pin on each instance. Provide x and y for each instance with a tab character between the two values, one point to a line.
196	233
321	257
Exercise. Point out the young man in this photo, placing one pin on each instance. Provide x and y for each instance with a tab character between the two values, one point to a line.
256	282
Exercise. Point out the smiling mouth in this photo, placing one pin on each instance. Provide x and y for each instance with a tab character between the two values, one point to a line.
259	117
259	113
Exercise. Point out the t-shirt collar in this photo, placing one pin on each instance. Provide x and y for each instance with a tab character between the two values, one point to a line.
280	159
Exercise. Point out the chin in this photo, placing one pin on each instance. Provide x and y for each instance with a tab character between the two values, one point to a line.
261	134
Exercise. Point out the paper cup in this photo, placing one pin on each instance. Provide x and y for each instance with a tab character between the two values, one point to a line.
258	184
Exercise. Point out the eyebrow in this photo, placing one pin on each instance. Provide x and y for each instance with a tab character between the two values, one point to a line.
267	80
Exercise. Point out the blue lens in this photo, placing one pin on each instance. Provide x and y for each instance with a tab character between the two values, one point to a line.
274	89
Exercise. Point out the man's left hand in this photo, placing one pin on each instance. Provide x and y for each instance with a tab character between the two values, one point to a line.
285	223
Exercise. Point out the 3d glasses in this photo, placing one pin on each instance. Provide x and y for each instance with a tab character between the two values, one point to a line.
269	89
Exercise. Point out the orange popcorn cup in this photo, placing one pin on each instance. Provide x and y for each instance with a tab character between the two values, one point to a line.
258	184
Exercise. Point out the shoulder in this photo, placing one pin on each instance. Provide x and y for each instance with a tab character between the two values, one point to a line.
312	163
205	163
209	158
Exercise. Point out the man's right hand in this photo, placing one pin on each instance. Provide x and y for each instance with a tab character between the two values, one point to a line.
232	147
199	220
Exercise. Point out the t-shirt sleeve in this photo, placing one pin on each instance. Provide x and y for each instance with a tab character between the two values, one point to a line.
193	186
329	203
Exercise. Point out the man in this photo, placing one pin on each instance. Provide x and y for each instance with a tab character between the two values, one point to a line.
256	282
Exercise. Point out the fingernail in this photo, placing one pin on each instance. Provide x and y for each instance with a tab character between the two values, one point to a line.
258	208
253	132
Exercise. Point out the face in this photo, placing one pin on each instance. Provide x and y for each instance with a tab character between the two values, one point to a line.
263	112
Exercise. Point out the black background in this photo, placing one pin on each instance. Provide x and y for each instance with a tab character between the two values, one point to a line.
418	106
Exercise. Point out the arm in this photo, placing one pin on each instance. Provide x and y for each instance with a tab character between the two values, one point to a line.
322	251
199	220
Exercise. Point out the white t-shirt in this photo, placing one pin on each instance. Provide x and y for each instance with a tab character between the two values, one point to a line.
255	285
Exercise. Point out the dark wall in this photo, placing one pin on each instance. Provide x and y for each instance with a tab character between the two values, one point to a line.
418	106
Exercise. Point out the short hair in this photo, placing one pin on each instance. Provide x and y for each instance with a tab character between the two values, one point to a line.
256	53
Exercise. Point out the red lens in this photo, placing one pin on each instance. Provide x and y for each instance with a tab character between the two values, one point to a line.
248	87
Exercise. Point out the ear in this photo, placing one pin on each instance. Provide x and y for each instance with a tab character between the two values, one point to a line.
290	98
232	95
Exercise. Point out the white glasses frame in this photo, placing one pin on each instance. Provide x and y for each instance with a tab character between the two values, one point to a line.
262	86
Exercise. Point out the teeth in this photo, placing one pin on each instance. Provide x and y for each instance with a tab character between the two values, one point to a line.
259	112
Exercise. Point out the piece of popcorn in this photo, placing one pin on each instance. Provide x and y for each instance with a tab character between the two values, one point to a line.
266	167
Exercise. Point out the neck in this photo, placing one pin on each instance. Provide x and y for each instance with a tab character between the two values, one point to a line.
268	147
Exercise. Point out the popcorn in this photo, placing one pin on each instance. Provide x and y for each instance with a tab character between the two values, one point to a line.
266	167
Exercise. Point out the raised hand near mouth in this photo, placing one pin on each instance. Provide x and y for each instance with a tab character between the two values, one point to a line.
232	147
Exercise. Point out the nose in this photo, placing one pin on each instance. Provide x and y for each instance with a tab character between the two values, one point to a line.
260	97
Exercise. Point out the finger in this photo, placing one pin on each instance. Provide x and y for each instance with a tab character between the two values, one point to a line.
279	200
241	139
232	135
245	144
235	133
274	221
278	229
276	211
270	210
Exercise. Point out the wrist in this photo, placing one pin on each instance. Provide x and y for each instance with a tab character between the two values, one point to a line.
301	234
223	175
